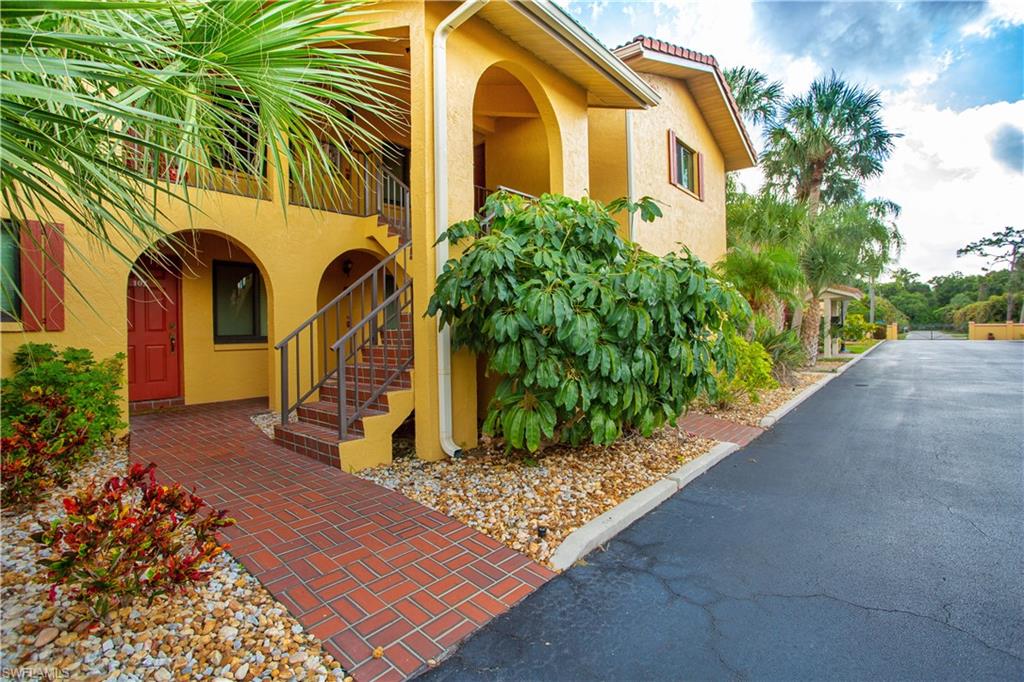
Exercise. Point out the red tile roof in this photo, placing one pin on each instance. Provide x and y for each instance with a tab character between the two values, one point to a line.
673	50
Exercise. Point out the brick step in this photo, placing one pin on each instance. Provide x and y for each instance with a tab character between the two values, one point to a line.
325	413
329	394
388	355
313	441
372	375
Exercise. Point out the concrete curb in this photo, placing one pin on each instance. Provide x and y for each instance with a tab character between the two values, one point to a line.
598	531
779	412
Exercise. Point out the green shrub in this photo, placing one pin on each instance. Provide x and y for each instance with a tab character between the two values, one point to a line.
991	310
90	386
40	451
592	335
57	408
783	347
130	538
855	328
753	374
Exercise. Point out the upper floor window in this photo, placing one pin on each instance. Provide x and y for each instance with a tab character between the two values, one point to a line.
10	284
686	166
243	151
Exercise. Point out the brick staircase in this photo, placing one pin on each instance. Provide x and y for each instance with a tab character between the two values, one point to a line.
369	385
348	424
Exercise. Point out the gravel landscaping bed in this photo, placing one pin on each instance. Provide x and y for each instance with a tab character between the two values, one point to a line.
532	503
227	628
745	412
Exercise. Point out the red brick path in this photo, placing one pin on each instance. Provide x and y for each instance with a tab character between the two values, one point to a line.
360	566
719	429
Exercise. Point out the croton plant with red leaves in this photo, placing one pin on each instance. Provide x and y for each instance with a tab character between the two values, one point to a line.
130	538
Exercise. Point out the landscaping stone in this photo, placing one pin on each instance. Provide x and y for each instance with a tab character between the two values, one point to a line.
532	504
743	411
226	622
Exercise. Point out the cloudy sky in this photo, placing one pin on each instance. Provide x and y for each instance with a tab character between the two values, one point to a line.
950	74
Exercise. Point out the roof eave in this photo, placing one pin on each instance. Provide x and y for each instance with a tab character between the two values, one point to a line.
566	29
636	50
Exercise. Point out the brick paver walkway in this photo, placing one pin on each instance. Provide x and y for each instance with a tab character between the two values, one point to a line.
719	429
360	566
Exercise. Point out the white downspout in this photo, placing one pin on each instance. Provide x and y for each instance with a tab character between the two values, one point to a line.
630	192
444	342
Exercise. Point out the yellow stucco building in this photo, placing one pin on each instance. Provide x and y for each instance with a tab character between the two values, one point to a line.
261	301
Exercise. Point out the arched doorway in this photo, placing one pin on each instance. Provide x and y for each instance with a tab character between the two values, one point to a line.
199	322
510	137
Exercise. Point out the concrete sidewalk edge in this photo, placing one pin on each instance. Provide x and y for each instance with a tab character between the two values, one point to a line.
600	530
781	411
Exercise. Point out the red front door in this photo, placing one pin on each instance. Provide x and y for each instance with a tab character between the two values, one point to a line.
154	371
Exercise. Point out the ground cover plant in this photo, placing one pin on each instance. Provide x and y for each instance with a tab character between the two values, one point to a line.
58	406
592	335
129	538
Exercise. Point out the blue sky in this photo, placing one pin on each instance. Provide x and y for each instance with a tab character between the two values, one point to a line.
950	73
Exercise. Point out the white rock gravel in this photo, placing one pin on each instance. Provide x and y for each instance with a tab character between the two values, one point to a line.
532	503
227	628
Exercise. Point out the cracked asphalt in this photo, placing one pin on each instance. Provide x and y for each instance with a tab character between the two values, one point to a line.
874	533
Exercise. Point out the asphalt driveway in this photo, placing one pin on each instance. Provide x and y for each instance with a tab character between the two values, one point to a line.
877	532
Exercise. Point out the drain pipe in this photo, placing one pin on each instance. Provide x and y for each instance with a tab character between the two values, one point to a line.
444	340
629	173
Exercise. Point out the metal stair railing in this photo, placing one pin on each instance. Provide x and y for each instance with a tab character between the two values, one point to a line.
321	331
383	329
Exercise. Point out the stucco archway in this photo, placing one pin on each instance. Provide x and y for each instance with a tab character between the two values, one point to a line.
516	137
200	322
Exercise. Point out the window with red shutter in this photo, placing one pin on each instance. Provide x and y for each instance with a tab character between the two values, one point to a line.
33	276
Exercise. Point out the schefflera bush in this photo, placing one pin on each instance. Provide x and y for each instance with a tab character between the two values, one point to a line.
592	335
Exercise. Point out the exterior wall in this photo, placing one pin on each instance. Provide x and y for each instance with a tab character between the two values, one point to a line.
472	49
700	225
517	156
292	255
607	151
1001	331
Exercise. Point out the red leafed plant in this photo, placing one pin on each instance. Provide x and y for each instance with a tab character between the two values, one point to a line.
130	538
40	449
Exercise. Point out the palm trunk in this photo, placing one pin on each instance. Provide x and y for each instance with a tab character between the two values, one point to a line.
798	316
871	300
809	329
777	314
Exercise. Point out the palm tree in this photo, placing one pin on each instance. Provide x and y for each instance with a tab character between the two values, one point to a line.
840	244
882	244
105	108
764	232
825	143
757	98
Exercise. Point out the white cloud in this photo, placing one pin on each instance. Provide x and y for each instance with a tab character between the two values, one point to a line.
943	175
997	14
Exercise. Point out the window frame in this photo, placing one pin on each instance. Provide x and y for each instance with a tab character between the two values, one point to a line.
13	230
256	313
675	144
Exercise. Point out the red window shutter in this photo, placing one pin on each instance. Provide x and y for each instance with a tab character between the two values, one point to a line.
32	276
673	159
54	269
700	176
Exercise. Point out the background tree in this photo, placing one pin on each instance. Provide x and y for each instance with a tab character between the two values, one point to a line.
106	106
1005	246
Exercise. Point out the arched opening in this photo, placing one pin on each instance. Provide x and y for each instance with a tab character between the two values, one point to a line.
510	137
349	268
199	322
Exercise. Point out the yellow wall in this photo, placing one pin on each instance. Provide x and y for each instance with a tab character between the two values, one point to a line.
292	255
517	156
472	49
1002	331
700	225
607	151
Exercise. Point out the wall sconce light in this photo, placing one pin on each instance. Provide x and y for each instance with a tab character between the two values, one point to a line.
346	266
